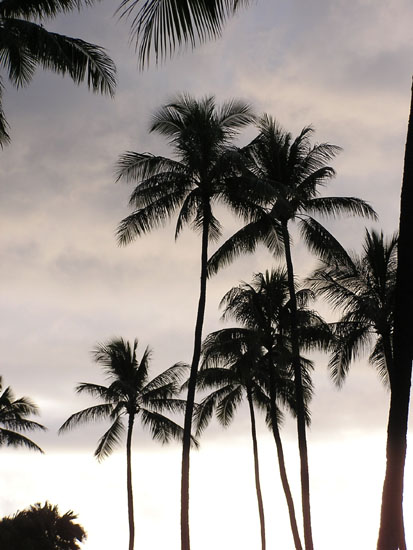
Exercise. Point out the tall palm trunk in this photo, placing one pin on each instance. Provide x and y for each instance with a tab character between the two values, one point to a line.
256	468
281	464
391	534
129	482
301	428
186	444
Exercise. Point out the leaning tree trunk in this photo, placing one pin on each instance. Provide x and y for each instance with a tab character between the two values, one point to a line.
391	534
256	468
129	482
301	426
281	464
186	444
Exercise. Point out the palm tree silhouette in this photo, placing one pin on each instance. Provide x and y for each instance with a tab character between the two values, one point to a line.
363	288
41	527
163	26
13	419
264	307
25	44
130	395
294	170
204	172
230	363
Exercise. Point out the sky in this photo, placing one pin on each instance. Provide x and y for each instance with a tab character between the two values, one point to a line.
345	68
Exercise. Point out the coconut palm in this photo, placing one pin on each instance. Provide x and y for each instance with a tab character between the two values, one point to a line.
362	287
204	172
391	535
230	362
132	396
26	44
164	25
264	306
295	170
14	415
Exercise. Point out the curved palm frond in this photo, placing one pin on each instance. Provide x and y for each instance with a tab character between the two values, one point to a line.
14	439
24	45
110	439
90	414
159	27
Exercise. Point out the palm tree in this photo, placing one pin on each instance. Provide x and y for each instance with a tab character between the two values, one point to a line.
204	172
129	395
363	288
164	25
294	170
14	419
264	306
230	362
25	44
391	535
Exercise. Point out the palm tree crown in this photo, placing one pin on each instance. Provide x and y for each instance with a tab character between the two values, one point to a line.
25	44
363	288
200	134
14	415
129	394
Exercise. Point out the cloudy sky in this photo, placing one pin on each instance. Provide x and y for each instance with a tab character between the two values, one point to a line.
344	67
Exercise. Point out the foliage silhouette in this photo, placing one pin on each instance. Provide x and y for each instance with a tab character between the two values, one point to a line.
14	415
161	26
41	528
25	44
206	170
130	395
263	308
363	288
294	170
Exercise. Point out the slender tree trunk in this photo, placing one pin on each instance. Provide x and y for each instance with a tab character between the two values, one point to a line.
190	400
281	464
256	468
301	427
391	533
129	482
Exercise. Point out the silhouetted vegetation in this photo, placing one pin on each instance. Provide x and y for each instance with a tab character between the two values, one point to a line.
204	171
25	44
130	395
41	528
14	419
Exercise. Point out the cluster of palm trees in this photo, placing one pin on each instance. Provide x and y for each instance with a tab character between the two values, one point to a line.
269	184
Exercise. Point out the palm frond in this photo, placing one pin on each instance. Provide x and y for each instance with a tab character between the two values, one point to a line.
14	439
133	166
90	414
40	9
351	339
110	439
26	44
160	27
320	240
162	428
245	241
339	206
